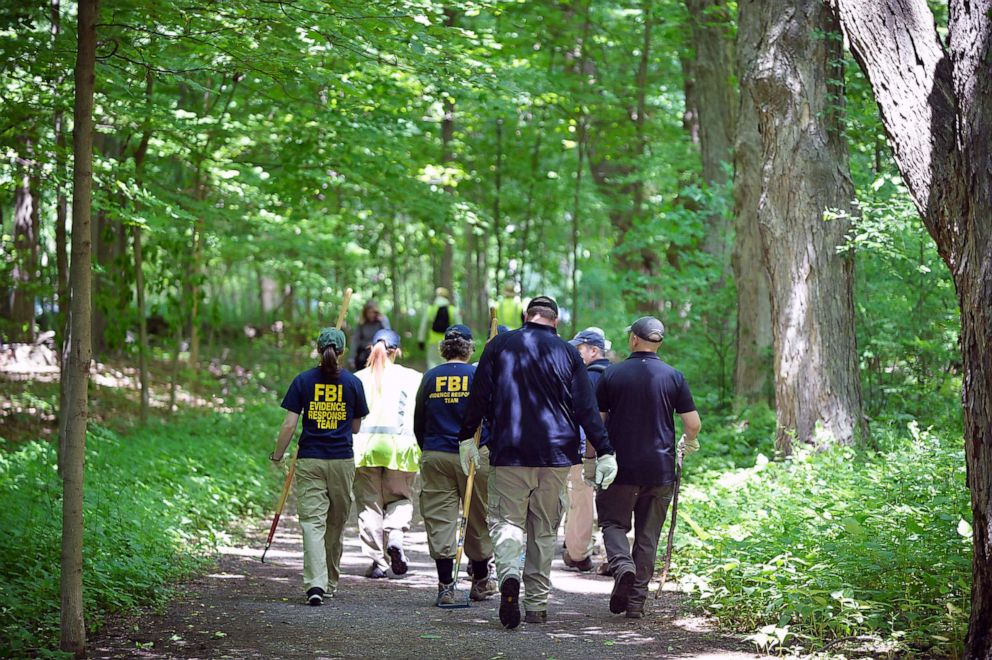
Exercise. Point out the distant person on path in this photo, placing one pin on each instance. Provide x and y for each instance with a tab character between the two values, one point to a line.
386	456
534	389
372	320
438	316
441	404
332	402
639	397
591	344
508	308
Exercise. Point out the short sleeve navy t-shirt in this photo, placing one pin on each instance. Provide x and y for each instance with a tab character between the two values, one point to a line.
441	405
641	396
327	406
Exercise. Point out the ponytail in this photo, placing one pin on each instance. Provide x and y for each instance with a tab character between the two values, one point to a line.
378	358
329	362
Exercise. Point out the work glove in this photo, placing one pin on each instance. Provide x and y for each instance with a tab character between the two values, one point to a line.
606	471
589	471
687	446
468	453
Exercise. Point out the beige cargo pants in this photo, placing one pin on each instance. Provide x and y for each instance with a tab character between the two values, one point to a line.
581	511
385	510
532	501
323	502
442	494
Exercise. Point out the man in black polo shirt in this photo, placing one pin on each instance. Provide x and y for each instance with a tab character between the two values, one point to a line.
638	399
533	388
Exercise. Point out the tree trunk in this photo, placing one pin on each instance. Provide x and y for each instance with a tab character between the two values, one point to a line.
497	219
25	247
753	363
936	107
715	103
139	276
72	628
795	85
447	277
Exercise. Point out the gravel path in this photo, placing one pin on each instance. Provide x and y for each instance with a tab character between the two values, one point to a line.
246	609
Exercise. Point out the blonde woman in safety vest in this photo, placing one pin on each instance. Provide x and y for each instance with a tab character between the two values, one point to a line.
386	456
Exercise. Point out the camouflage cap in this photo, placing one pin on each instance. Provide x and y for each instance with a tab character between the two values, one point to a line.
330	337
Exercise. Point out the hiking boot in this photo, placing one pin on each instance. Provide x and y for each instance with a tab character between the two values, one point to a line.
396	560
537	616
483	589
605	570
509	607
315	596
583	566
635	613
445	594
375	572
622	584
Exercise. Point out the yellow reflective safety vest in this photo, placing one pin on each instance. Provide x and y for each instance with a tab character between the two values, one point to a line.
387	439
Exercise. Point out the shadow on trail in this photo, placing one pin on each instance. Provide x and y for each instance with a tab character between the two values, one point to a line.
245	609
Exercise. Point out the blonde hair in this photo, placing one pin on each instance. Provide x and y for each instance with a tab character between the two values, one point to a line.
378	359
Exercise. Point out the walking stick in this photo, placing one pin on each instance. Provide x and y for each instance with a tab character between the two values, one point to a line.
470	483
679	453
292	462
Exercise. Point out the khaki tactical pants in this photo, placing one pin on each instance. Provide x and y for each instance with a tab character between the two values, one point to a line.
385	509
649	507
578	523
442	494
323	501
531	500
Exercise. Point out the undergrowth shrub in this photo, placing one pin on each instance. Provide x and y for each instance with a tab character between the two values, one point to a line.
832	545
156	501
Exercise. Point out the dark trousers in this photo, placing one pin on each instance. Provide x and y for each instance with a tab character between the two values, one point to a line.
649	506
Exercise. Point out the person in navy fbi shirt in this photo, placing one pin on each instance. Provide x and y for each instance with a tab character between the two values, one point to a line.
441	404
534	388
639	398
332	403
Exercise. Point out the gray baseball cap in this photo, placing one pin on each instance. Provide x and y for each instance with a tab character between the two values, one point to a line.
591	337
648	328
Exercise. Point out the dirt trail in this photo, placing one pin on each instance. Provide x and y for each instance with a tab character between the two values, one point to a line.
246	609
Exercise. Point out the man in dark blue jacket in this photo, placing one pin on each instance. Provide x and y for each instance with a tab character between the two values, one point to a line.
534	388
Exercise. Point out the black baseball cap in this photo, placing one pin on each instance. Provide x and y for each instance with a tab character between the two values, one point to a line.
590	337
388	336
648	328
543	301
458	331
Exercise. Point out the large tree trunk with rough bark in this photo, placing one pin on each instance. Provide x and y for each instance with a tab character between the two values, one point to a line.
753	364
78	348
795	84
936	106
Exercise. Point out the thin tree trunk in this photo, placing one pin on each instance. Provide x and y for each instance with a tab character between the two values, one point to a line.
753	364
576	219
139	276
446	276
397	317
25	240
72	627
795	85
936	107
715	102
497	220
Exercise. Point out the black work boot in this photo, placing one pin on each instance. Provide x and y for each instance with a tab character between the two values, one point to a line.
509	607
622	584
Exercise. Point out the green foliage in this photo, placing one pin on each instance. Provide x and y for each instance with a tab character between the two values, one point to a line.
156	503
830	545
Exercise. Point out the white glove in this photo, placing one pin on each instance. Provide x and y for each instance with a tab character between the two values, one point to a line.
468	453
688	446
606	471
589	471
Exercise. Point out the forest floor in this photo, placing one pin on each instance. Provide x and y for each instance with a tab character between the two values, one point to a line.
245	609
